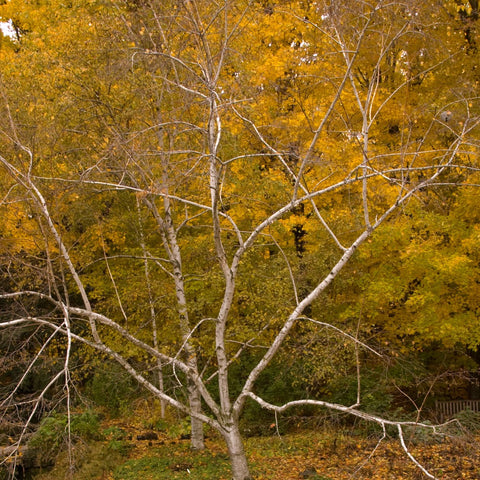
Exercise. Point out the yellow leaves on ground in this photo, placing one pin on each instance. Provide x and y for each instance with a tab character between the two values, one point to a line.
341	458
333	455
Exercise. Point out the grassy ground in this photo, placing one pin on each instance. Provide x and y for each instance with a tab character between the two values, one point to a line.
334	455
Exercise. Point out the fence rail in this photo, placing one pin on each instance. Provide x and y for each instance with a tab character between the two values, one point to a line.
446	410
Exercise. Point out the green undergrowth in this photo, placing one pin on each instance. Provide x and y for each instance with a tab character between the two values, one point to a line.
92	461
174	463
115	452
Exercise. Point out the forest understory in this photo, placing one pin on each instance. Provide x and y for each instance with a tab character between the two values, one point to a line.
131	449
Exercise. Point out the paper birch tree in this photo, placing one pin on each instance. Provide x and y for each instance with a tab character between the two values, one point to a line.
268	125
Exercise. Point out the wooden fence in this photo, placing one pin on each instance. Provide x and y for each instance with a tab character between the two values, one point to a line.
446	410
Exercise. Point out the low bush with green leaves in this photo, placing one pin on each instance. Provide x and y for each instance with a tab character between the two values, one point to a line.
113	389
469	420
57	429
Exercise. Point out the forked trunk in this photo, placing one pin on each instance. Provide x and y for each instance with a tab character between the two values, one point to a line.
236	452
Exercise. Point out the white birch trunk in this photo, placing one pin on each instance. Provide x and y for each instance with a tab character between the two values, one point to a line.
236	451
194	397
196	425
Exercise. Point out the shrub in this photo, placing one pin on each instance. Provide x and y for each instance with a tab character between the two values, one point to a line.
112	388
52	433
469	420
